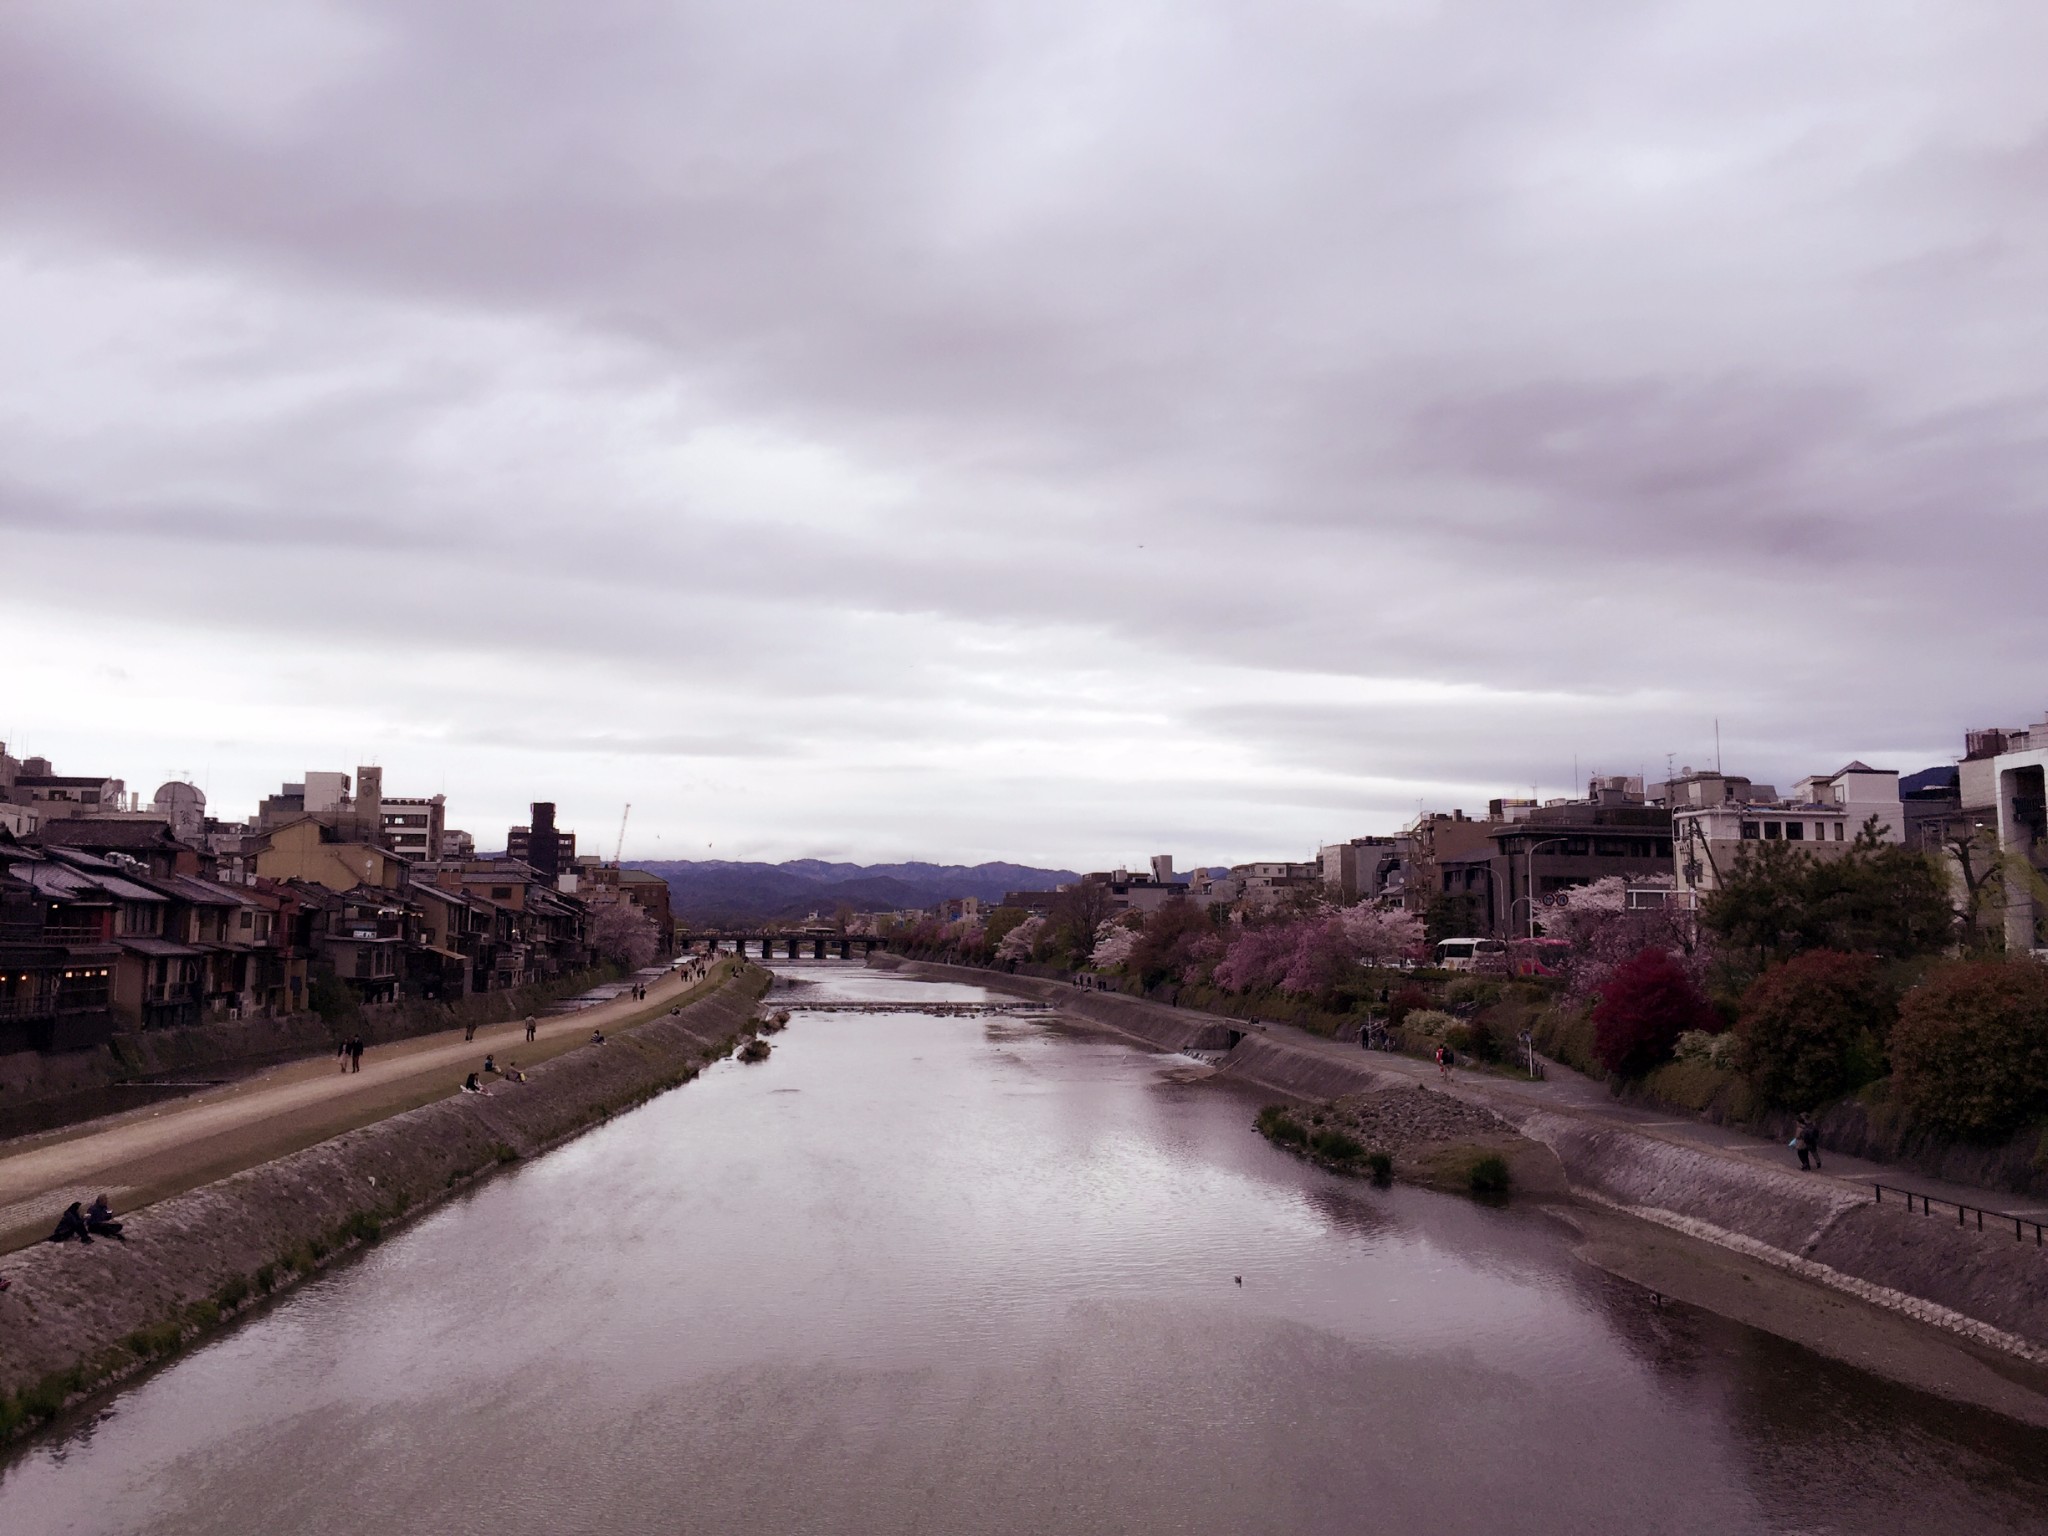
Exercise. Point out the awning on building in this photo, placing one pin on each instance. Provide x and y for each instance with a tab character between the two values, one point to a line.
162	949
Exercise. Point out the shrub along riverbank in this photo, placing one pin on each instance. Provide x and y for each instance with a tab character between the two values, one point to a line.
1428	1138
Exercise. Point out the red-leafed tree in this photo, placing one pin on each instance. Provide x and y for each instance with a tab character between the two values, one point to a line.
1645	1006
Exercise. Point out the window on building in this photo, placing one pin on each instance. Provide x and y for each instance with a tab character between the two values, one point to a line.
1773	830
1795	831
1750	829
248	919
1838	831
501	893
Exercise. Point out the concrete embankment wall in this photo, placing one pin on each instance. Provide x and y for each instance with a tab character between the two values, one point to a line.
1986	1285
77	1317
1983	1285
1277	1065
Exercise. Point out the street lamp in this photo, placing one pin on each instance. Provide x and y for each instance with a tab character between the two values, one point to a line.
1529	875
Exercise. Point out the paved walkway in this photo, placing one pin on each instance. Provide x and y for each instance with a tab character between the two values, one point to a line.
149	1154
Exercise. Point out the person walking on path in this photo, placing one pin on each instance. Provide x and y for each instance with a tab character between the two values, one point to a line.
1445	1060
1806	1141
341	1051
531	1026
355	1054
469	1031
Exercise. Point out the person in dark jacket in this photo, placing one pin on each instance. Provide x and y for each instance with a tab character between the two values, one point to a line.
1806	1142
71	1224
99	1220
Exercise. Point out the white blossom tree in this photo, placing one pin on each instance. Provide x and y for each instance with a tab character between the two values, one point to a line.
624	935
1021	940
1383	935
1115	942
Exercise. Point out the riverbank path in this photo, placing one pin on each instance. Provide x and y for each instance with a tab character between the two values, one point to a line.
144	1155
1563	1089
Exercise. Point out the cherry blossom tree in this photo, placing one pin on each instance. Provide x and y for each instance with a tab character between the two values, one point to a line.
623	934
1115	942
1606	933
1382	935
1022	940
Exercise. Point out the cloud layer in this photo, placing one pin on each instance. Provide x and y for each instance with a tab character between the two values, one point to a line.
979	430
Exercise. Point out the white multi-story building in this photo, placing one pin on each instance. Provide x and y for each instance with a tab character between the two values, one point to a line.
2003	780
1714	817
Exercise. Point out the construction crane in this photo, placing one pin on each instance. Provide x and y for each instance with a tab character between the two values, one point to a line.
619	849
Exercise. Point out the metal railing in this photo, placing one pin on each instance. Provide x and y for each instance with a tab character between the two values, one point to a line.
1927	1203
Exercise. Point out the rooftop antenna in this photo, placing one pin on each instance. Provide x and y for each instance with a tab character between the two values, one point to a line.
1717	743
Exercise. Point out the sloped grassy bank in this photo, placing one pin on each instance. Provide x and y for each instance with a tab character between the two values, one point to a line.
78	1319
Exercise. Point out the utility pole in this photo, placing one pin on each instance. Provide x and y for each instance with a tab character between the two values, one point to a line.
619	848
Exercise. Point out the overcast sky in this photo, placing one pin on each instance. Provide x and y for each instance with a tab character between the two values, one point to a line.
1057	431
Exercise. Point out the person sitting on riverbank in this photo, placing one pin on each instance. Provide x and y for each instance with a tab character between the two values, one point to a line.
491	1063
71	1224
597	1037
510	1072
99	1220
470	1084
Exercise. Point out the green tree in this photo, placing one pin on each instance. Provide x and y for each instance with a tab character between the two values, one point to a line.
1876	898
1970	1049
1811	1026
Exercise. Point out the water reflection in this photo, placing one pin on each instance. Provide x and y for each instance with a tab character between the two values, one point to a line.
979	1274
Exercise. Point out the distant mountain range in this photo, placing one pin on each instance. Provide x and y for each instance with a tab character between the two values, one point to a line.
725	890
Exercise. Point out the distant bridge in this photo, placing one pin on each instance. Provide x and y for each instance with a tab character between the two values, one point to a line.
817	945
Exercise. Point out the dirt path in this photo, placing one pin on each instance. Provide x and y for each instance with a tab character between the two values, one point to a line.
147	1155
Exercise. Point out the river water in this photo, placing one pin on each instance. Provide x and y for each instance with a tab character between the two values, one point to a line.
954	1275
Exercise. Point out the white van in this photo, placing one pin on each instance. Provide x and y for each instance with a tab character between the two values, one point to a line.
1466	954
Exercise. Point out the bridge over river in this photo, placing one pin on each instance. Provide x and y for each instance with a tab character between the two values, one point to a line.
795	946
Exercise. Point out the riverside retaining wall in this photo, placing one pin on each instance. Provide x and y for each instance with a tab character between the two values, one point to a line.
1987	1285
77	1318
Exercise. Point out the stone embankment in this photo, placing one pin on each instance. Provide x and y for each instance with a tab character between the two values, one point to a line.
75	1319
1983	1286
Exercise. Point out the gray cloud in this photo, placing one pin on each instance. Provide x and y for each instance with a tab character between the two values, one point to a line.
1005	427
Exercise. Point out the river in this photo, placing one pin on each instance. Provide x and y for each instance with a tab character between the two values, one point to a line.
967	1274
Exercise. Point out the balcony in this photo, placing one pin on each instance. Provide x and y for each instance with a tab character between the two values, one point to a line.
74	933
